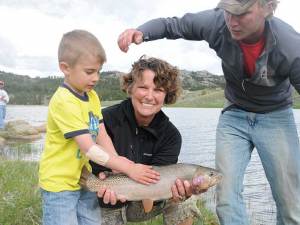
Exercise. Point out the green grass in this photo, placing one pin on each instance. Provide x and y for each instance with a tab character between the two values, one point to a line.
213	98
20	200
296	100
207	98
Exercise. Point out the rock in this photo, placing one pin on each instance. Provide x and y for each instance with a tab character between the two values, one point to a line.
20	129
41	128
27	137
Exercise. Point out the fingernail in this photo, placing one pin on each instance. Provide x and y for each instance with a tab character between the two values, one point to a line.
186	183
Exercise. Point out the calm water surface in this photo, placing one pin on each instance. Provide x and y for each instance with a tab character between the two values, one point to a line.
198	127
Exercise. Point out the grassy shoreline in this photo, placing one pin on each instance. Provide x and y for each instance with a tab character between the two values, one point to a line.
206	98
20	200
19	193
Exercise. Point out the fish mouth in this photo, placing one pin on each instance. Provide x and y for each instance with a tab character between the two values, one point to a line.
206	181
216	179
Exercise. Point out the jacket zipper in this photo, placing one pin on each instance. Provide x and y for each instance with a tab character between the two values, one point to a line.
243	85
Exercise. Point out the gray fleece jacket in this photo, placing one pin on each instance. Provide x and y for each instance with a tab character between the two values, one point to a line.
277	68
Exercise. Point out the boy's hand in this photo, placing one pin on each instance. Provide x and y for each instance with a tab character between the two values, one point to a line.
143	174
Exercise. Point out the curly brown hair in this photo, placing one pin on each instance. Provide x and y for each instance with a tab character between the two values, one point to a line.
166	77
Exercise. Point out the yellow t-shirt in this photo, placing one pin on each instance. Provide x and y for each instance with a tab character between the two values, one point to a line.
69	115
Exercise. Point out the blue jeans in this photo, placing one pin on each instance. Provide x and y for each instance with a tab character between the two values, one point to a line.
2	115
70	208
275	137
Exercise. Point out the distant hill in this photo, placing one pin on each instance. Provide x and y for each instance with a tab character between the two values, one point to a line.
200	89
199	80
24	90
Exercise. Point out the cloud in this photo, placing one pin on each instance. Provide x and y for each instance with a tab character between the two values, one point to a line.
53	8
7	53
38	65
31	30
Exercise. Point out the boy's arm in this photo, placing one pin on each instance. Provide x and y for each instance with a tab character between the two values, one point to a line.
98	154
104	140
138	172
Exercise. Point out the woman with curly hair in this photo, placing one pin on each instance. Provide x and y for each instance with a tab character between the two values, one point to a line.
141	131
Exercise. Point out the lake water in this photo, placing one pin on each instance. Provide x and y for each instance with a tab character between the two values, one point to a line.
198	127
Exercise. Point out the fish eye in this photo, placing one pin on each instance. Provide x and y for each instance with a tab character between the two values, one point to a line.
211	173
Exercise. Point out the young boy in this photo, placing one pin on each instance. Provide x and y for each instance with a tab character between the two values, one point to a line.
76	134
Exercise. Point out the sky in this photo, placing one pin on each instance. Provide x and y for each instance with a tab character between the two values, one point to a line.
30	31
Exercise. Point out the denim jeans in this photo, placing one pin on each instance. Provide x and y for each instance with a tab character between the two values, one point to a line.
70	208
2	115
275	137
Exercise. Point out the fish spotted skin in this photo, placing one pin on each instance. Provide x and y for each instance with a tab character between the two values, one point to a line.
200	177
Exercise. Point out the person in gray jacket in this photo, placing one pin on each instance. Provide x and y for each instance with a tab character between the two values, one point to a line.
261	62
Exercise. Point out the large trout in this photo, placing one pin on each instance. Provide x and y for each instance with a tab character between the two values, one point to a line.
200	177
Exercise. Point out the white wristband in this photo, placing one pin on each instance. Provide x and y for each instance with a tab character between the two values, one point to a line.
96	154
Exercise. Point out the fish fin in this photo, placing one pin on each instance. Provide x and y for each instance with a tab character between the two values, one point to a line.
148	205
83	178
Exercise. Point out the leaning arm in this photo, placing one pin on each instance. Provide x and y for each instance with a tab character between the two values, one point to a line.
192	26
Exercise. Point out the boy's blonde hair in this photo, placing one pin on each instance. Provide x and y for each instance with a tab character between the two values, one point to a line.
78	43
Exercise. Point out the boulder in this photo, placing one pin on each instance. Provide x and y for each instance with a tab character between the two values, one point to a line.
40	128
20	129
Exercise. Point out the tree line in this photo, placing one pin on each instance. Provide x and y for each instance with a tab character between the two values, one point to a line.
24	90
